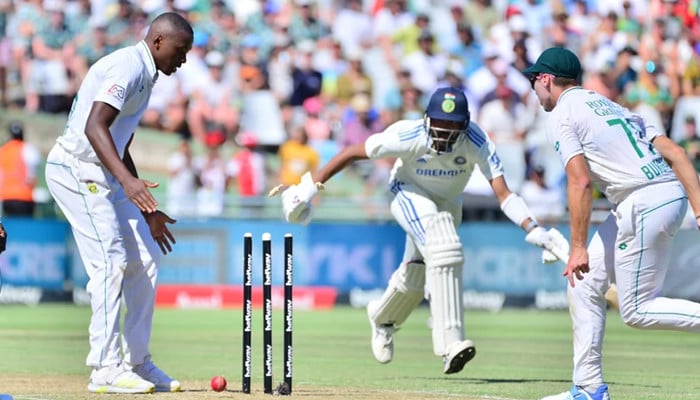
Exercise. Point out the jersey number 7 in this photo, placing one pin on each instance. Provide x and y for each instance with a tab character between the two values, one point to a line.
630	129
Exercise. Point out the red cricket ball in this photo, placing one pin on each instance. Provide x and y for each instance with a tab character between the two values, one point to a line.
218	383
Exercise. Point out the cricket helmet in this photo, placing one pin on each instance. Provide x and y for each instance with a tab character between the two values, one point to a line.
446	118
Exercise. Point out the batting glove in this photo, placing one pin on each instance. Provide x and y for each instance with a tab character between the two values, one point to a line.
296	200
551	241
539	237
561	247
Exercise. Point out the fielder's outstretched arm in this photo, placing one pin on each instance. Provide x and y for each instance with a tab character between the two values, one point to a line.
676	157
345	157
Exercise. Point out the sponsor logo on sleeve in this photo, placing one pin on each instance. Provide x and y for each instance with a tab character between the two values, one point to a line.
117	91
495	160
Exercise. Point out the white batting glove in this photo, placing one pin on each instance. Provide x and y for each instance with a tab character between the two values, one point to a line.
561	247
552	241
548	257
296	200
539	237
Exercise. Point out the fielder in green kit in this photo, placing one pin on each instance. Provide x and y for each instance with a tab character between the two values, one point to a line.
649	181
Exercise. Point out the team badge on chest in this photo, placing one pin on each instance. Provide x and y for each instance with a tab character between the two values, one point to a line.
92	187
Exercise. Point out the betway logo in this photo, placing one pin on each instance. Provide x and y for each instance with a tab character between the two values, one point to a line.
186	300
288	362
224	296
440	172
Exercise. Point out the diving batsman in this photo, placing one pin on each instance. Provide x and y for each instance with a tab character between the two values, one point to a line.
435	157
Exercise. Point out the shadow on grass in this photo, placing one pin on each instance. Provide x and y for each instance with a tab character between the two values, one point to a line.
483	381
317	392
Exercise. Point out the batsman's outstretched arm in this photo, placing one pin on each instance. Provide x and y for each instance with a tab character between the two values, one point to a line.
296	199
342	159
512	205
345	157
552	242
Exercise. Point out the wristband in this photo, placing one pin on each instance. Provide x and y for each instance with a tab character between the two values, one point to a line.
532	225
516	210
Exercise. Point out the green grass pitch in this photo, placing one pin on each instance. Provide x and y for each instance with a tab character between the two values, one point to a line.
521	354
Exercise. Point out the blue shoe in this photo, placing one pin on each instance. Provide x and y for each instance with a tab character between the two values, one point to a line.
576	393
163	383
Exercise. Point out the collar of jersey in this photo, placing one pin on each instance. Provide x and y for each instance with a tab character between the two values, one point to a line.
565	92
148	60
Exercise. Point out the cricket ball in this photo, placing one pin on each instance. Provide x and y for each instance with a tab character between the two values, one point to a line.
218	383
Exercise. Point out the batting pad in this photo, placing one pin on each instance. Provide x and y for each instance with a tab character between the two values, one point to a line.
444	260
405	291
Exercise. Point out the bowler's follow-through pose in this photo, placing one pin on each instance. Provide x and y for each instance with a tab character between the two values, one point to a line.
435	158
114	217
648	179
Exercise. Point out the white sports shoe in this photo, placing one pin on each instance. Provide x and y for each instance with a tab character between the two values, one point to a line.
118	379
458	354
160	379
382	337
576	393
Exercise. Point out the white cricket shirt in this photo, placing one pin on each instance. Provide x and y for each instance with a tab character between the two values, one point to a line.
442	176
615	142
123	79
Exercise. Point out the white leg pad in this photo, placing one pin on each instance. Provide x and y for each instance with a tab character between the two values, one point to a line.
444	262
404	293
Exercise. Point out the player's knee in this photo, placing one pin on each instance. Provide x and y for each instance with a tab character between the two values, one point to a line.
442	246
634	322
410	277
632	317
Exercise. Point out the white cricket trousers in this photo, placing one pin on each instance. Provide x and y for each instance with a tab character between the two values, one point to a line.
631	248
413	209
118	252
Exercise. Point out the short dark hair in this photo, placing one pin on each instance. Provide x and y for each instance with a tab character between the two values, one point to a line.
177	21
564	82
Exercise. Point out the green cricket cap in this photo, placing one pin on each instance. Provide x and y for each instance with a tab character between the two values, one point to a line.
557	61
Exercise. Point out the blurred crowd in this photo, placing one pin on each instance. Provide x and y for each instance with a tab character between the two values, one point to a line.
296	80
